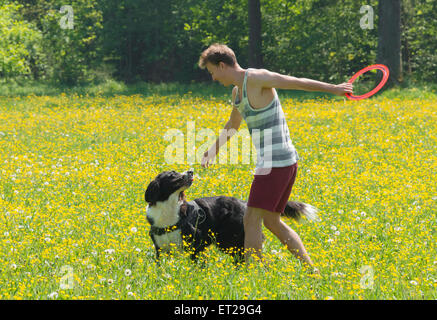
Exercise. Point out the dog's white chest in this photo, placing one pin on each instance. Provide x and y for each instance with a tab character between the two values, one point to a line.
172	240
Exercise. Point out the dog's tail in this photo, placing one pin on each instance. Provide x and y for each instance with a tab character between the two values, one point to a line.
296	210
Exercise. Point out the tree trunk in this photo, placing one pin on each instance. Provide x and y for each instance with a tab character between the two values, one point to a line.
255	45
389	39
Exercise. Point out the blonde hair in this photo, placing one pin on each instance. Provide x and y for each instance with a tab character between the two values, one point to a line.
217	53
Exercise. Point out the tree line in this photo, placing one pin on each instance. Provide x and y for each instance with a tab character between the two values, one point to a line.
161	40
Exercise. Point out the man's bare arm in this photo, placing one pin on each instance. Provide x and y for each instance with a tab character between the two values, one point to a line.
268	79
231	127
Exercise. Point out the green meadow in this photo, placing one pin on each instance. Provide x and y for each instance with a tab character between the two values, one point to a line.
75	164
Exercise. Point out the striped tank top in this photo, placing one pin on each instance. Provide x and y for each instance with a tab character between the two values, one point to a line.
269	131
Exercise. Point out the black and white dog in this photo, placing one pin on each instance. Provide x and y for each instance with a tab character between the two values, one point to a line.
203	221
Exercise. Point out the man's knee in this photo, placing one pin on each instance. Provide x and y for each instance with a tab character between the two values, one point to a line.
272	220
252	216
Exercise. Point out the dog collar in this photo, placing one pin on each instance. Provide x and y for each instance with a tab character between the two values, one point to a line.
160	231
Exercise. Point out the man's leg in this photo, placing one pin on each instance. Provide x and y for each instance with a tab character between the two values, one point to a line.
253	232
288	237
253	238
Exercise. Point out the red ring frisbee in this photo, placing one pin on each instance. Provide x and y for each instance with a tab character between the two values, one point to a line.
385	72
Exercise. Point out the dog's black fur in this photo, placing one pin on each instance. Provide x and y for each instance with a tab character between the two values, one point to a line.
203	221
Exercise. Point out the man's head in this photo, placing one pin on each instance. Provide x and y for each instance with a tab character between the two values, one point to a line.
218	59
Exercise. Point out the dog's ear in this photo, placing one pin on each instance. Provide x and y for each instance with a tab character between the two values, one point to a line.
152	192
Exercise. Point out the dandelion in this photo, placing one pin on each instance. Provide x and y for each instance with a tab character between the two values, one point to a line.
338	274
53	295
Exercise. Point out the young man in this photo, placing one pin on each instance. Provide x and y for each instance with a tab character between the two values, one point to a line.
255	100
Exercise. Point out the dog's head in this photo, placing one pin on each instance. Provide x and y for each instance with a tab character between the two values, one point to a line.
168	184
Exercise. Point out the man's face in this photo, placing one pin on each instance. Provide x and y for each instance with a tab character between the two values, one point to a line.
218	73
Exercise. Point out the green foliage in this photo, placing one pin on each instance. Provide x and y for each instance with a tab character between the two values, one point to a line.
317	39
419	38
19	42
142	38
161	40
212	21
71	52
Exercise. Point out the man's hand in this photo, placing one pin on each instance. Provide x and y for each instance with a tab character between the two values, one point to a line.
341	89
207	159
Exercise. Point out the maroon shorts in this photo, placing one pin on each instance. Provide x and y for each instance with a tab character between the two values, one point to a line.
271	191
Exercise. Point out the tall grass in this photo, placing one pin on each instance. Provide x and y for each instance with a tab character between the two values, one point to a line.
74	167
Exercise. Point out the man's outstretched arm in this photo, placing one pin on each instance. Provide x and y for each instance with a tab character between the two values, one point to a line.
268	79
